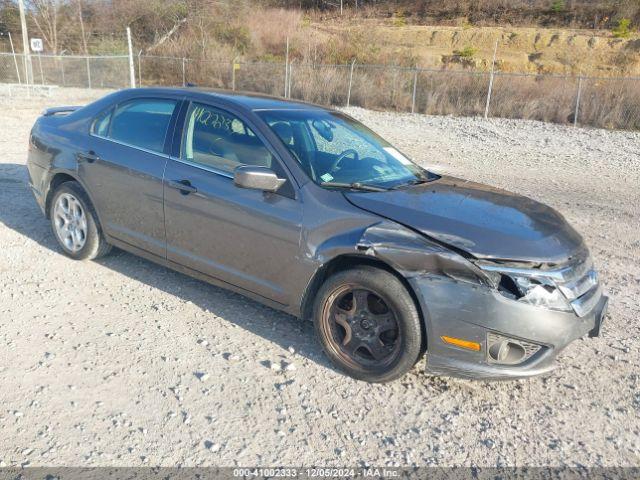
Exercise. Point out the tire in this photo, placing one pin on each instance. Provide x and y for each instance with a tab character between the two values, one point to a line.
76	229
385	353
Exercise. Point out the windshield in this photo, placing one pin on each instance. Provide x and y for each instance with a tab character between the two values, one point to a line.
337	151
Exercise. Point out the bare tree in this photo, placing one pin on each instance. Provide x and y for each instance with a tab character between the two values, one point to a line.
46	14
82	32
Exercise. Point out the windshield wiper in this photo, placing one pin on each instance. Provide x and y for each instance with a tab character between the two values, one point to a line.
355	186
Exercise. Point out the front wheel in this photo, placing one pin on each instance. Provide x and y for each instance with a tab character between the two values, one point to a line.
368	324
75	223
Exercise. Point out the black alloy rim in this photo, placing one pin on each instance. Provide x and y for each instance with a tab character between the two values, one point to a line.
361	327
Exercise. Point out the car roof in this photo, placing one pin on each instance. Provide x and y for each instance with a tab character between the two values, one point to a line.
251	101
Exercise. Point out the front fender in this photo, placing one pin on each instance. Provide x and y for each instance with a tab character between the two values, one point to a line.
412	254
408	253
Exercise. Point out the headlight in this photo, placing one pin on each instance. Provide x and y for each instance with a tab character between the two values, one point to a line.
528	286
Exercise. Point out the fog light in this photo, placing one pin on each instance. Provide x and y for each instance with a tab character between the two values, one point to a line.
509	351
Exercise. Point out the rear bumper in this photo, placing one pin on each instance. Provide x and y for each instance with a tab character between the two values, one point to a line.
37	179
471	312
38	196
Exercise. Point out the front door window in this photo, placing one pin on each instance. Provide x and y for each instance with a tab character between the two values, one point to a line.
219	140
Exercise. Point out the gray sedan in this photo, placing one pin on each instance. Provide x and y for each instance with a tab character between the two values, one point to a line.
308	211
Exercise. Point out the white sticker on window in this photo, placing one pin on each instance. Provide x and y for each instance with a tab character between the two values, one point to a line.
327	177
397	155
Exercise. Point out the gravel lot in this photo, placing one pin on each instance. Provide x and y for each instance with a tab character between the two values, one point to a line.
121	362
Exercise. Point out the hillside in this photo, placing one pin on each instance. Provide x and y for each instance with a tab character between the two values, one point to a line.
588	37
520	49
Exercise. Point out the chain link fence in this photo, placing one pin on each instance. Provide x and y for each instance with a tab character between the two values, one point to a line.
608	102
66	71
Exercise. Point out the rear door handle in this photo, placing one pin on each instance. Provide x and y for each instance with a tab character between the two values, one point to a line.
184	186
89	156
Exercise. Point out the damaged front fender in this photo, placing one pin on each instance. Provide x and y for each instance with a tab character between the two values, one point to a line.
409	253
412	254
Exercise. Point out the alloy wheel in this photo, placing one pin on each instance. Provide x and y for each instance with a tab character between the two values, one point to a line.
70	222
361	327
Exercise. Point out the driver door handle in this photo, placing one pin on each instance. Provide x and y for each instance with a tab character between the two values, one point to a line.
184	186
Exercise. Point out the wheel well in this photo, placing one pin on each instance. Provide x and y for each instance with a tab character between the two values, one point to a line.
345	262
57	180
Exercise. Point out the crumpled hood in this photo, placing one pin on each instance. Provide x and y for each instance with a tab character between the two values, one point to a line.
484	221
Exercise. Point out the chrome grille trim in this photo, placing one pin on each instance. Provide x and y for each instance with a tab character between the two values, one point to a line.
572	271
578	287
577	280
587	302
577	270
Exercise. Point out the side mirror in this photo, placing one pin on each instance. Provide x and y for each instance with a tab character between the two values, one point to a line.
257	178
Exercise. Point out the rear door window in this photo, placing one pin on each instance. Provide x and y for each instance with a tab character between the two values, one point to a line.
142	123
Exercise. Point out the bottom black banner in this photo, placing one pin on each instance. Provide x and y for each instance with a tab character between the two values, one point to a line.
431	473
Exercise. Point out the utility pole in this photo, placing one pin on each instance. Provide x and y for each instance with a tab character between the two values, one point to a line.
25	44
15	61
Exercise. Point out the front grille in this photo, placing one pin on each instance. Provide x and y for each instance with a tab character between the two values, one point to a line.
579	283
576	280
587	302
578	287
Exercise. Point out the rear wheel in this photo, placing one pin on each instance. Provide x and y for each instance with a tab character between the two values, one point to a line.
75	223
368	324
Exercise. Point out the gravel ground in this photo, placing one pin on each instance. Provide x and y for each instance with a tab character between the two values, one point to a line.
121	362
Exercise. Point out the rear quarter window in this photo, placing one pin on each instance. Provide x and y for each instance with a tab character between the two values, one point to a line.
100	124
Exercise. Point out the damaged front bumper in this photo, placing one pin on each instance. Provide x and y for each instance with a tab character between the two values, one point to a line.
492	320
481	315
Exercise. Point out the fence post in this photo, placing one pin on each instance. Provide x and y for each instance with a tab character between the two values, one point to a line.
289	79
139	68
184	74
64	83
233	73
15	60
88	71
40	66
353	63
415	86
132	73
493	68
286	70
578	97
